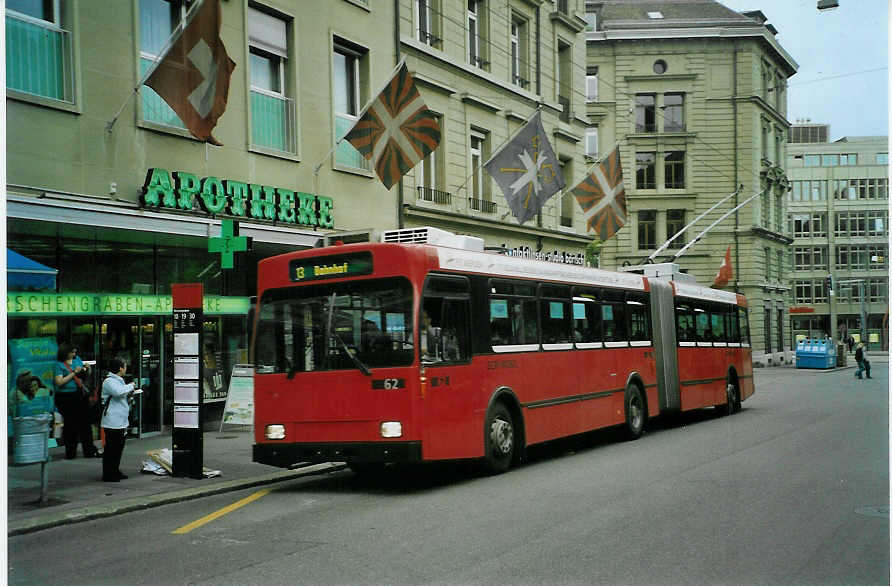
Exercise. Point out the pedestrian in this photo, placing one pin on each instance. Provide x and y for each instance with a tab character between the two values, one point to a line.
116	395
862	360
850	341
72	400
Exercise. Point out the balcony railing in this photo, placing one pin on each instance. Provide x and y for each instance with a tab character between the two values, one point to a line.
39	59
434	195
482	205
272	122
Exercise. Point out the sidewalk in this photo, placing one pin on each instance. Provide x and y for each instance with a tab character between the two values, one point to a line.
76	492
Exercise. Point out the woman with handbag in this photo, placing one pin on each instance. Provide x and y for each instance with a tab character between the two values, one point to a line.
116	395
72	401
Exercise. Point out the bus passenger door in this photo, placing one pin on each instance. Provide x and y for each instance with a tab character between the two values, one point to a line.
447	423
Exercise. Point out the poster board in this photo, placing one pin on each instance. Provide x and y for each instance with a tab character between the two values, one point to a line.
239	409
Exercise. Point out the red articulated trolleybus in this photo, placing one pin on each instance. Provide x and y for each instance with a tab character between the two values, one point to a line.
425	347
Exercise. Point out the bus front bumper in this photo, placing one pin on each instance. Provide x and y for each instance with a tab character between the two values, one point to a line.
286	455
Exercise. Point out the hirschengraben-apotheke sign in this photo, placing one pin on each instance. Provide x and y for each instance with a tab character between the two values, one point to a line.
59	304
184	191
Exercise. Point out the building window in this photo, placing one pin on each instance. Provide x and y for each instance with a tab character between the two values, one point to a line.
645	113
879	290
877	223
481	198
157	19
765	152
780	266
660	66
829	160
39	57
519	44
674	223
848	159
812	160
475	33
882	158
645	167
674	169
877	256
780	329
427	175
591	142
767	332
591	84
778	214
272	112
568	201
778	147
673	113
348	73
647	229
767	258
565	78
591	19
426	29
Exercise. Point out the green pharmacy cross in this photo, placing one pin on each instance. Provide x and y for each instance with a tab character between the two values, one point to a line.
227	244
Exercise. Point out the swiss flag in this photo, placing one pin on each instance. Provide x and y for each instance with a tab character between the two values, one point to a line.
725	271
193	76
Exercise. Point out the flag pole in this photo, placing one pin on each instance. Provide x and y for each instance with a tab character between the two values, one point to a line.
173	38
690	224
708	228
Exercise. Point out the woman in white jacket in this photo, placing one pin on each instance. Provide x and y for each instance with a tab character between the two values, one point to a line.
116	396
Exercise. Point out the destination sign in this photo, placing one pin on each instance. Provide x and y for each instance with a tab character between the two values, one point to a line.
330	267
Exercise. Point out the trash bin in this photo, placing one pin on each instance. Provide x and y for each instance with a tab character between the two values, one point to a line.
840	355
30	435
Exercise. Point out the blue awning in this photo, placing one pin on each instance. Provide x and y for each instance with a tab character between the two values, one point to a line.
23	274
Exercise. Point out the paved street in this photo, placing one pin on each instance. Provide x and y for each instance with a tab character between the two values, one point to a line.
792	490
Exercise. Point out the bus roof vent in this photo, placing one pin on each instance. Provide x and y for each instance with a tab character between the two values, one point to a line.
433	236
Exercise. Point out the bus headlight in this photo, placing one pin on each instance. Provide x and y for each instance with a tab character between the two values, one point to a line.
391	429
276	431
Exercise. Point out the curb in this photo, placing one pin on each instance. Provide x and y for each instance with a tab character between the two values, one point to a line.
139	503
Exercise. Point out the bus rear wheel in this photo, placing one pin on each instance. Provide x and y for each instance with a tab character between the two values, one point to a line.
499	440
636	413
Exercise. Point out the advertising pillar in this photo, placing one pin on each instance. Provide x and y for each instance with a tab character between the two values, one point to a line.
188	321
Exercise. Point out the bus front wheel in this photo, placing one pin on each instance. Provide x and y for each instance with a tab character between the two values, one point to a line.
499	440
635	412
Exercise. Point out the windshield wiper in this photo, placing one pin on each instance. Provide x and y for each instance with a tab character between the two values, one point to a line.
330	333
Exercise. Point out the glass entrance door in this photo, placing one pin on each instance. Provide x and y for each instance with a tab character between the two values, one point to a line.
138	341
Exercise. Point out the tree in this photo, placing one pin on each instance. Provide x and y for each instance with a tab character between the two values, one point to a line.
593	253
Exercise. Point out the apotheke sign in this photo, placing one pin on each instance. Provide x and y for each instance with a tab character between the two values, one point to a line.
184	191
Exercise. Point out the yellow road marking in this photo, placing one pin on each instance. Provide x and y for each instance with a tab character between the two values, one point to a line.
221	512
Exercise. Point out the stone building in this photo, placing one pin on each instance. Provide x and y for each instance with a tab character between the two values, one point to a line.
695	96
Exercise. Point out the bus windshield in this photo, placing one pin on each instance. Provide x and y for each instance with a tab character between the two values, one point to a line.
338	326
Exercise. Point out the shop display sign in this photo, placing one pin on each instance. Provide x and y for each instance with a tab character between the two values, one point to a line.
330	267
19	304
186	192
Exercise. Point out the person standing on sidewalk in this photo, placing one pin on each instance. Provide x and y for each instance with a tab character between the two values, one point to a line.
116	395
72	403
861	359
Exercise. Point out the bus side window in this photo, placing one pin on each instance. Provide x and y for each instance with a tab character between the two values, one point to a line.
701	319
555	314
717	322
613	314
639	317
444	322
586	317
744	325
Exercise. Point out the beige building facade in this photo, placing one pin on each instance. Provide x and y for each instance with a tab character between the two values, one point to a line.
694	94
838	214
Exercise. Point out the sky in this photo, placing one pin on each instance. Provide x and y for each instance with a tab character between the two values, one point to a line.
843	58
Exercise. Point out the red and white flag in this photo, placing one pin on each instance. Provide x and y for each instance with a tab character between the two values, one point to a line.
725	271
396	130
193	76
602	196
